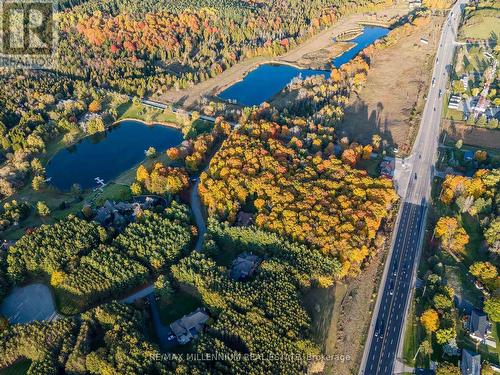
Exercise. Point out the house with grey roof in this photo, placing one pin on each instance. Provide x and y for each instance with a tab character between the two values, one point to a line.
471	363
189	326
478	325
480	328
244	266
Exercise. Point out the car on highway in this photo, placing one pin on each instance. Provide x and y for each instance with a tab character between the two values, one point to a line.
415	176
440	93
379	328
391	288
395	268
433	81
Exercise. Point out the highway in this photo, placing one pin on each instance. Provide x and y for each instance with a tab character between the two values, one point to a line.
387	325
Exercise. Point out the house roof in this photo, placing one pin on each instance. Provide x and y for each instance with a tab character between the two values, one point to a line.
244	265
468	154
187	323
478	323
245	218
471	363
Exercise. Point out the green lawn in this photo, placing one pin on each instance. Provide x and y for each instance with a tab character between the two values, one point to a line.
454	114
411	339
145	113
182	303
481	25
54	198
19	368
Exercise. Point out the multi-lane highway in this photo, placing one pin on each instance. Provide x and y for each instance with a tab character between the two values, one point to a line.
385	334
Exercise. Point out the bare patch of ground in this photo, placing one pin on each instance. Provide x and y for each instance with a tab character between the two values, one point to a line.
472	135
352	317
322	59
393	97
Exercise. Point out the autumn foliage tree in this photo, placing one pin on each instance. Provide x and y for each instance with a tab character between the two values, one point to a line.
95	106
484	271
311	199
161	179
430	320
453	236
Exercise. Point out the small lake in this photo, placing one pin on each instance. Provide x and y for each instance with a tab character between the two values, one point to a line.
264	82
107	155
31	303
267	80
370	34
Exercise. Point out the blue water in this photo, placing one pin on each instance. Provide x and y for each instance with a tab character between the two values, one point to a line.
370	34
264	82
106	155
267	80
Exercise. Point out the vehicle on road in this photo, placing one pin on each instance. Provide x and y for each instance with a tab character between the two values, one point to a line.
440	92
379	328
433	81
391	288
415	176
395	268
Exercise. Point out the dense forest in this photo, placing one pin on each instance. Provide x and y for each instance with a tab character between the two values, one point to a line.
260	317
108	339
149	47
264	170
85	263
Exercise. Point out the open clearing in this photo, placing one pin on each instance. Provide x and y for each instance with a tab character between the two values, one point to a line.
393	97
482	24
472	135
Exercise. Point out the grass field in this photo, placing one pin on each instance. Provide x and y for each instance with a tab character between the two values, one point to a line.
20	368
483	24
411	339
144	113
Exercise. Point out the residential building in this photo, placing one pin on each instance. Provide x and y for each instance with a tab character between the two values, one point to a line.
471	363
454	102
189	326
244	266
468	155
244	219
479	326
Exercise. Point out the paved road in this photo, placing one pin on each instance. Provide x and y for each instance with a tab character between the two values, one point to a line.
387	326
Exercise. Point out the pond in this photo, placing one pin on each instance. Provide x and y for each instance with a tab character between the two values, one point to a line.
29	303
108	154
264	82
370	34
267	80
